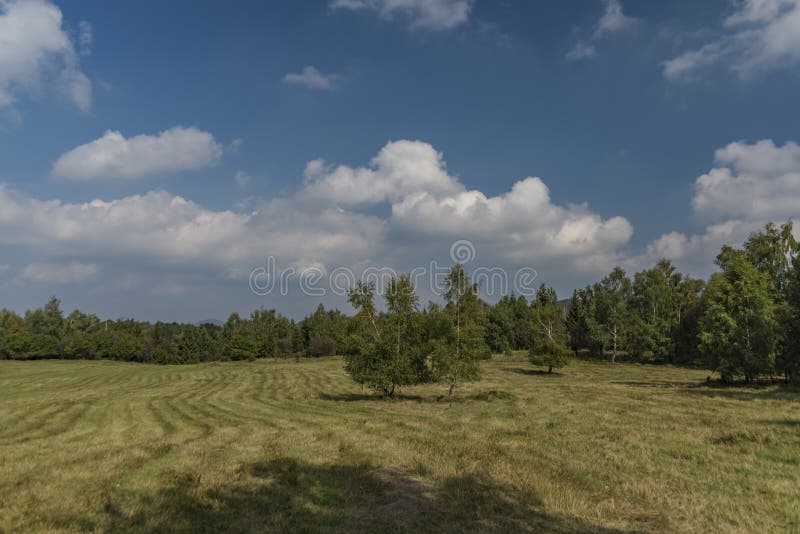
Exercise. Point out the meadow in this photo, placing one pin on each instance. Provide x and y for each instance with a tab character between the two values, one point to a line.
277	445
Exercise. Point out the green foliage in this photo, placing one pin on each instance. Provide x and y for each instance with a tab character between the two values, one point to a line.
788	359
321	346
738	327
324	332
610	313
24	345
509	324
654	316
770	251
662	299
362	362
549	345
390	350
456	356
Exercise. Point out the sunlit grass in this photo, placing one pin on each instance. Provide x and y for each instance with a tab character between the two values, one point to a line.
275	445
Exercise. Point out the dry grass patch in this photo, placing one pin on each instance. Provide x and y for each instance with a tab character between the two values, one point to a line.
283	446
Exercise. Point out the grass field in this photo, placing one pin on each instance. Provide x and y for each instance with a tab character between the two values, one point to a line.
283	446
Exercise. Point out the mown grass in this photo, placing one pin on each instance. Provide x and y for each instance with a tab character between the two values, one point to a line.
282	446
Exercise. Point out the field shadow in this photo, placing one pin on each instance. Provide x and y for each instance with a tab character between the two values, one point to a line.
482	396
532	372
715	389
284	495
783	422
666	384
743	392
358	397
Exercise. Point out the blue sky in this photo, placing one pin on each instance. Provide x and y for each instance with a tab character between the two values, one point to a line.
674	122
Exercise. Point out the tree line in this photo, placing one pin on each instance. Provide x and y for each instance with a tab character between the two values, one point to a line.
744	322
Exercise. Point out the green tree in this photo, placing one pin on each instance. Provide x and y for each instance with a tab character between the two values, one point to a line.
738	327
788	359
578	321
403	334
772	251
47	321
456	357
610	316
363	363
388	353
549	345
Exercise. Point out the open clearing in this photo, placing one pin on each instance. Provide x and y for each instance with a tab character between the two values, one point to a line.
283	446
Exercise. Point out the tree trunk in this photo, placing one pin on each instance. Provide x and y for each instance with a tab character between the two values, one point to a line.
374	326
614	352
550	370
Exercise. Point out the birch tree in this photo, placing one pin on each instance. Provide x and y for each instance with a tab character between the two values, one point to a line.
456	357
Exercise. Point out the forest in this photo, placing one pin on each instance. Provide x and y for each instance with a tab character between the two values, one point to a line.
742	323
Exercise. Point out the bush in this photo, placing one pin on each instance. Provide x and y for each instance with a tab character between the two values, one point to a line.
549	354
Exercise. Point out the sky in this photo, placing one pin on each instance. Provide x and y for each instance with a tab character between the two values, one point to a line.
154	155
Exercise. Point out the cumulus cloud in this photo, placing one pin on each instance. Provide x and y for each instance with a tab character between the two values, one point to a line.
36	52
752	184
522	226
312	78
170	230
753	181
58	273
423	14
400	169
759	36
396	212
113	157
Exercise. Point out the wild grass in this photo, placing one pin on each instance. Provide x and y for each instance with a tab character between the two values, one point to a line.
282	446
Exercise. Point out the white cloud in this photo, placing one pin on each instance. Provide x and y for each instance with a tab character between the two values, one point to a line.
400	169
427	203
242	179
613	20
113	157
57	273
580	51
760	36
423	14
398	211
752	182
751	185
36	52
169	230
312	78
